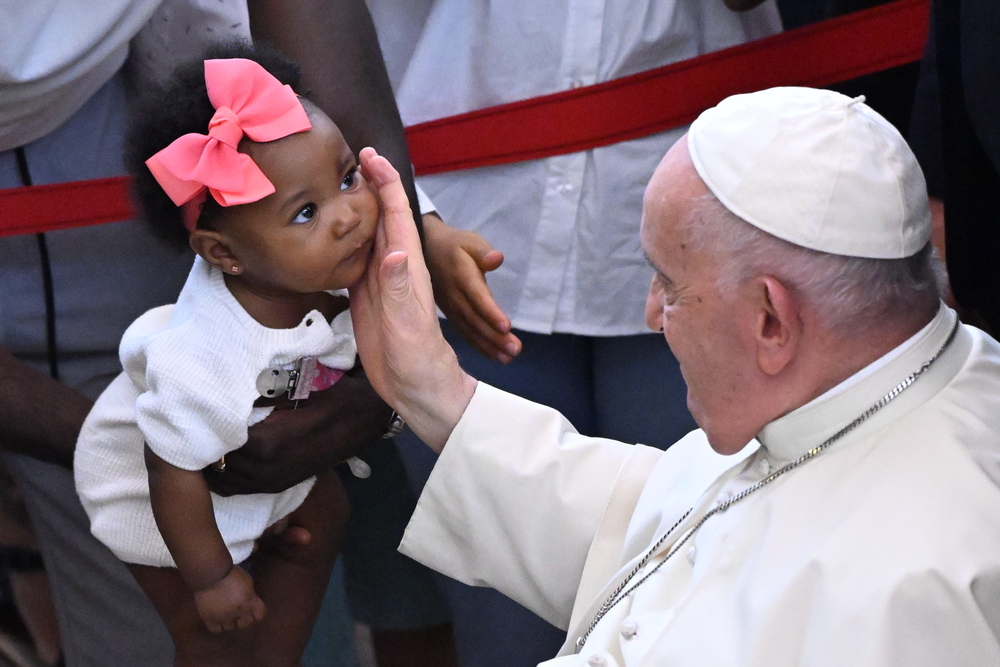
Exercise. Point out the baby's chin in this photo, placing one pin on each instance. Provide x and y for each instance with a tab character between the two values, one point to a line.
353	267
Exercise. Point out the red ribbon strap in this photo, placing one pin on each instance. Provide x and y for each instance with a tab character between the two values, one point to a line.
642	104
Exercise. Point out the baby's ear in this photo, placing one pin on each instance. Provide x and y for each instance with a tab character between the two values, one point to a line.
214	249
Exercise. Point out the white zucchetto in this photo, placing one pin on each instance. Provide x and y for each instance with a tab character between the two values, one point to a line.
815	168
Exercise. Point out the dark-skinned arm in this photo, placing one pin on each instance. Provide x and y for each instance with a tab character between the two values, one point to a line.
39	416
335	44
292	445
336	47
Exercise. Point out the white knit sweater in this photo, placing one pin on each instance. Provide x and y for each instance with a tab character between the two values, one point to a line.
188	390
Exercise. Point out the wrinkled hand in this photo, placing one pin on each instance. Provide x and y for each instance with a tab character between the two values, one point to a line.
458	261
395	322
231	603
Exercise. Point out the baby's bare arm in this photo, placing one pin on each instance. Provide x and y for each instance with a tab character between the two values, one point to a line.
182	507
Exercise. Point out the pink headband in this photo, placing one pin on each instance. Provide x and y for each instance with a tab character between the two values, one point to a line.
248	101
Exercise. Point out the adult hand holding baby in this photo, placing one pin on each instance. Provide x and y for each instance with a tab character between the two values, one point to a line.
399	339
459	260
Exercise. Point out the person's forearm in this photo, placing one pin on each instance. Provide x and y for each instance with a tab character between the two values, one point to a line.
182	507
433	413
293	445
39	416
335	45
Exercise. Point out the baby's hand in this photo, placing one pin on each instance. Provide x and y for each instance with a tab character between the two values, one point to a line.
231	603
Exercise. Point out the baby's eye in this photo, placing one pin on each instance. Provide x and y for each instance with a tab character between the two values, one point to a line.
350	179
305	214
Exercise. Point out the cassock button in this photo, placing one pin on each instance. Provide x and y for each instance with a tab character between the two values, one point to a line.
692	553
629	628
597	661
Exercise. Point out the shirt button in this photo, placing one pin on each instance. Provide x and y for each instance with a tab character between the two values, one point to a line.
597	661
692	552
629	628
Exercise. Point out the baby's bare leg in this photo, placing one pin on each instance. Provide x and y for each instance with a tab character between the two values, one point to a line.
292	579
193	643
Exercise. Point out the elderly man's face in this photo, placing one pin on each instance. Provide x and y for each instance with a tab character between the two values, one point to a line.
701	324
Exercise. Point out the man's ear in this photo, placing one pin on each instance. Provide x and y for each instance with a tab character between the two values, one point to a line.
214	248
778	326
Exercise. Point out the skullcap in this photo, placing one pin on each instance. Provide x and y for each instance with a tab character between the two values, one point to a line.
815	168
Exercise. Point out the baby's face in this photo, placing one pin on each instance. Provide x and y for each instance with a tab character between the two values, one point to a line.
316	231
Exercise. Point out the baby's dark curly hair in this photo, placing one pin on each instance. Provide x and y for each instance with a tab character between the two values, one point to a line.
179	107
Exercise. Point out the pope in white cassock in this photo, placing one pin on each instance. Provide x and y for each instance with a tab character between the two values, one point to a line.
840	504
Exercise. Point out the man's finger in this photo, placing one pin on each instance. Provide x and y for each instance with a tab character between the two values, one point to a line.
400	230
395	275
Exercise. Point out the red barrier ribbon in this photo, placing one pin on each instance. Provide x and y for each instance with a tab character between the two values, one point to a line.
642	104
46	208
628	108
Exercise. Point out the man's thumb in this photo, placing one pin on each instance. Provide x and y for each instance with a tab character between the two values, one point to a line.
396	274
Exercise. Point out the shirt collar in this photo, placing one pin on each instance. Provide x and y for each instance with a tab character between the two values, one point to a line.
792	435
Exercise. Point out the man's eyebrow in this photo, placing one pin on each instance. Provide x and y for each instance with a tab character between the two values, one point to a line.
649	260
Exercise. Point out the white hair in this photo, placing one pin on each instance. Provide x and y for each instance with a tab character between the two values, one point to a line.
856	292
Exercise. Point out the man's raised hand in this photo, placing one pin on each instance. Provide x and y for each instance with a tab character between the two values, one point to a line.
395	321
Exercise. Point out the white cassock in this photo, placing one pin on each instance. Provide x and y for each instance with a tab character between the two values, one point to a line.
882	550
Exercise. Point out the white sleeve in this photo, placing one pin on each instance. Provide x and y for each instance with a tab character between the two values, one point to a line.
426	205
194	403
515	501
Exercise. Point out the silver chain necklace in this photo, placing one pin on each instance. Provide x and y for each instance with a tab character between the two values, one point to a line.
623	589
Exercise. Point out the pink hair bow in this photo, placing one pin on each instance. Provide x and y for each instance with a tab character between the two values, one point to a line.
249	101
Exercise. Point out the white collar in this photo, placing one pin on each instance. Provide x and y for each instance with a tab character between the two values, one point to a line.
790	436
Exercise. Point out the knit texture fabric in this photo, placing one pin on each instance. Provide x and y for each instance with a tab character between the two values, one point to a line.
188	390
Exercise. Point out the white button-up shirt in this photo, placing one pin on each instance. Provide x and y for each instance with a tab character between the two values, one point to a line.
567	225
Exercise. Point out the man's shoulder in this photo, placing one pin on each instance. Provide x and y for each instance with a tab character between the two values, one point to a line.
965	417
